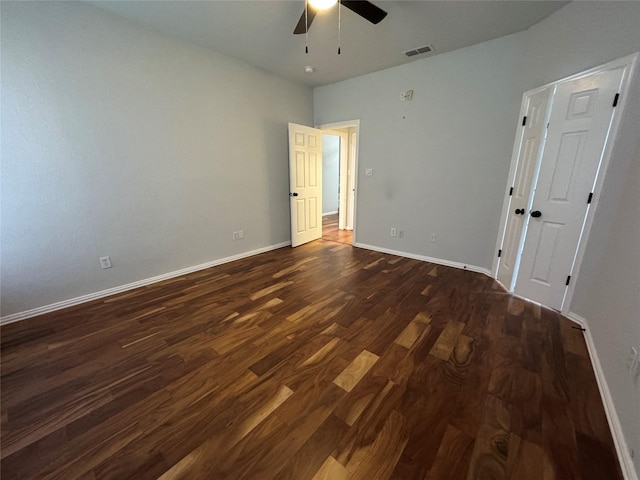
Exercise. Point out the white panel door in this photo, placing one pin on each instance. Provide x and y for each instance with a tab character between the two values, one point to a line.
305	183
531	146
578	130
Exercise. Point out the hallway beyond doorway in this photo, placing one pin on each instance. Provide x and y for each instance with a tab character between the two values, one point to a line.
332	233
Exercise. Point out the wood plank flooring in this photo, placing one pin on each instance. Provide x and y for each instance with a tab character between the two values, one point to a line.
331	232
320	362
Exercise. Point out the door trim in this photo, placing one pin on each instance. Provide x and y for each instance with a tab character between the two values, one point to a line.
344	140
345	124
630	74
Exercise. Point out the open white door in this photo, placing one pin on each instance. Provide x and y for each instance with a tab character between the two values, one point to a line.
305	183
579	128
530	150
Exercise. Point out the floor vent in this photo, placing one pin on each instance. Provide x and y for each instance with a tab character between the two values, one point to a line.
419	51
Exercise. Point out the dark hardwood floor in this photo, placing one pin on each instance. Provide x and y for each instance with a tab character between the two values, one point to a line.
331	232
320	362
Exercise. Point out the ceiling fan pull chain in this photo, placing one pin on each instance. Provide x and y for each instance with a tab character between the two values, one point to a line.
339	31
306	27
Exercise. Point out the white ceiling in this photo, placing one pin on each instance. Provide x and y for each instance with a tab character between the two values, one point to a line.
260	32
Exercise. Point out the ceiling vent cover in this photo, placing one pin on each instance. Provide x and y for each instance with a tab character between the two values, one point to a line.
418	51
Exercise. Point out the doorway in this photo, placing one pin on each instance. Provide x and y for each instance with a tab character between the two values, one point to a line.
339	169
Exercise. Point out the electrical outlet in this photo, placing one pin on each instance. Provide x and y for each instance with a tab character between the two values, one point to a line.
393	232
105	262
433	237
240	234
234	236
368	172
401	233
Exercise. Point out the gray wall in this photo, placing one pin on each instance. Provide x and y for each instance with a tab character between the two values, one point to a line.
118	141
579	36
440	162
330	172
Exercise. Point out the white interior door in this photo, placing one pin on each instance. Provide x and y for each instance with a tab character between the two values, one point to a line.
305	183
531	146
578	130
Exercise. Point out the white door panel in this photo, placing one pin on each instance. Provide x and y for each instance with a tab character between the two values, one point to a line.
305	183
579	127
531	146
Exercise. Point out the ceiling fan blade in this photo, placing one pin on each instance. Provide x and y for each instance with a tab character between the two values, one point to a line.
301	27
365	9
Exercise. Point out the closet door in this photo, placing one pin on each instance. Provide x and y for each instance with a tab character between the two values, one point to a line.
531	144
578	129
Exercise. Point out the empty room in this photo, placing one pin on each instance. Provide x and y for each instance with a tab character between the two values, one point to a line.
336	240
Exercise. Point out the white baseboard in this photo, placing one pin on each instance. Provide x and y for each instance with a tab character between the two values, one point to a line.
15	317
329	213
626	463
424	258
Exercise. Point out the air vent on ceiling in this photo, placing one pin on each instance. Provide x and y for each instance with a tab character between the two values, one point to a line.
418	51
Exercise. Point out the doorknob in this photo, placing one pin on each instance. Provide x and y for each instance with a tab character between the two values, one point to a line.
294	194
519	211
536	213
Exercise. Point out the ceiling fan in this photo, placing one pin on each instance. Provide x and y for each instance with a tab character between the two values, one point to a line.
366	10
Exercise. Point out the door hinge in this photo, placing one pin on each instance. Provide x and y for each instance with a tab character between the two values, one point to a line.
524	120
615	100
568	279
499	253
590	197
511	191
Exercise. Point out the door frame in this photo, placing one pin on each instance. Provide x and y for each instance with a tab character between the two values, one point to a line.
344	140
630	74
348	124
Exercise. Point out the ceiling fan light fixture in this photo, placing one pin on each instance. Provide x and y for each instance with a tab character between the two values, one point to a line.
322	4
